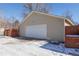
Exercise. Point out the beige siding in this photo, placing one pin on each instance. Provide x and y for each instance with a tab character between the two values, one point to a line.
37	18
56	31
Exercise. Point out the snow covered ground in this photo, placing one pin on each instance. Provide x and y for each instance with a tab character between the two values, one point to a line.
17	47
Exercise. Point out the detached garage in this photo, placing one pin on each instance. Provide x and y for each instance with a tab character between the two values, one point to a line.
43	26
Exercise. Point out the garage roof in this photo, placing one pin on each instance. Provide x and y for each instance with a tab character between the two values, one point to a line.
66	19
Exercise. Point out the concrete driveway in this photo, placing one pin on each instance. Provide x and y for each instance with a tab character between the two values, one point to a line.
19	47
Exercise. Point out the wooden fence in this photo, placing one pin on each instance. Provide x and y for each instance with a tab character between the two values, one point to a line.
11	32
72	42
72	30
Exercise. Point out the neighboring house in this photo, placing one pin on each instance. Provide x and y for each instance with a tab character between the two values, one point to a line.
3	24
69	22
43	26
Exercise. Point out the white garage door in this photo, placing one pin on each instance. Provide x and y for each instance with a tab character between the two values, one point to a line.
37	31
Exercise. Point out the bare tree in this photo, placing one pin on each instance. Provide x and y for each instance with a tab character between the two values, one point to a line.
16	24
13	22
76	23
28	6
68	14
40	7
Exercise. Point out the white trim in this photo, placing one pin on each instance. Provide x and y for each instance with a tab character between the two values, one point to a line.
70	21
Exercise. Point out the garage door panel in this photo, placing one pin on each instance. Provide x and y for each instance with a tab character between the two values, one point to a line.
37	31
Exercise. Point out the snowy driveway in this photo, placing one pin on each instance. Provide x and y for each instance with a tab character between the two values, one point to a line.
16	47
